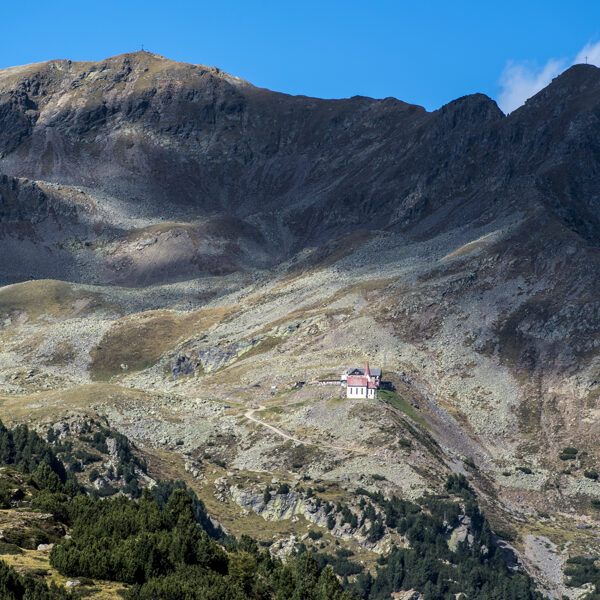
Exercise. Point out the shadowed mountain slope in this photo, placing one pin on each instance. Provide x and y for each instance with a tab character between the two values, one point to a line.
177	142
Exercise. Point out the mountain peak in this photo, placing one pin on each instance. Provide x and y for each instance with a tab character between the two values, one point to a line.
473	108
579	70
138	56
578	85
575	79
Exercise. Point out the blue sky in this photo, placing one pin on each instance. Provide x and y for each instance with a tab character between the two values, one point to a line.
426	52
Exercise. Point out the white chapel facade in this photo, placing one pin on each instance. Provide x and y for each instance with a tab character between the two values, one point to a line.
361	383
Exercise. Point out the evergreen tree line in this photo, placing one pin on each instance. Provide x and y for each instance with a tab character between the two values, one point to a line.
25	449
165	554
475	570
163	544
18	587
166	548
581	570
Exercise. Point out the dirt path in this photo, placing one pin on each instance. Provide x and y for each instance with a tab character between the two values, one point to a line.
249	414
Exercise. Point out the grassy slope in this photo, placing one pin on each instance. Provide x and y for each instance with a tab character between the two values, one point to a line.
401	404
139	341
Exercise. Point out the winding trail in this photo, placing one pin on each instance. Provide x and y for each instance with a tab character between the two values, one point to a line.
249	414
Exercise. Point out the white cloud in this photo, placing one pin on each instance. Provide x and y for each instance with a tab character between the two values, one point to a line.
520	81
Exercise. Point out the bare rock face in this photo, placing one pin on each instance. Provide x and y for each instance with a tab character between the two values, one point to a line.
167	141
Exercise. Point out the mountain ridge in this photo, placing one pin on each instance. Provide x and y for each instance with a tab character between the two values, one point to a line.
261	169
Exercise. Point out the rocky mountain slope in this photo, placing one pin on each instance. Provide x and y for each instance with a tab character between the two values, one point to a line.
154	141
182	247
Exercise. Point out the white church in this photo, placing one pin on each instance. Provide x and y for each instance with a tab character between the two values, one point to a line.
361	383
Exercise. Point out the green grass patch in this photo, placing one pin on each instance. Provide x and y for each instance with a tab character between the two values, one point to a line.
265	345
399	403
337	400
7	548
47	297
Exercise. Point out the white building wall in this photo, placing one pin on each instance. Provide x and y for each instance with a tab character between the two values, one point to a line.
356	392
360	392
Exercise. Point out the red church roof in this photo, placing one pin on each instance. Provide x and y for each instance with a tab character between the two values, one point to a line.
357	381
360	381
